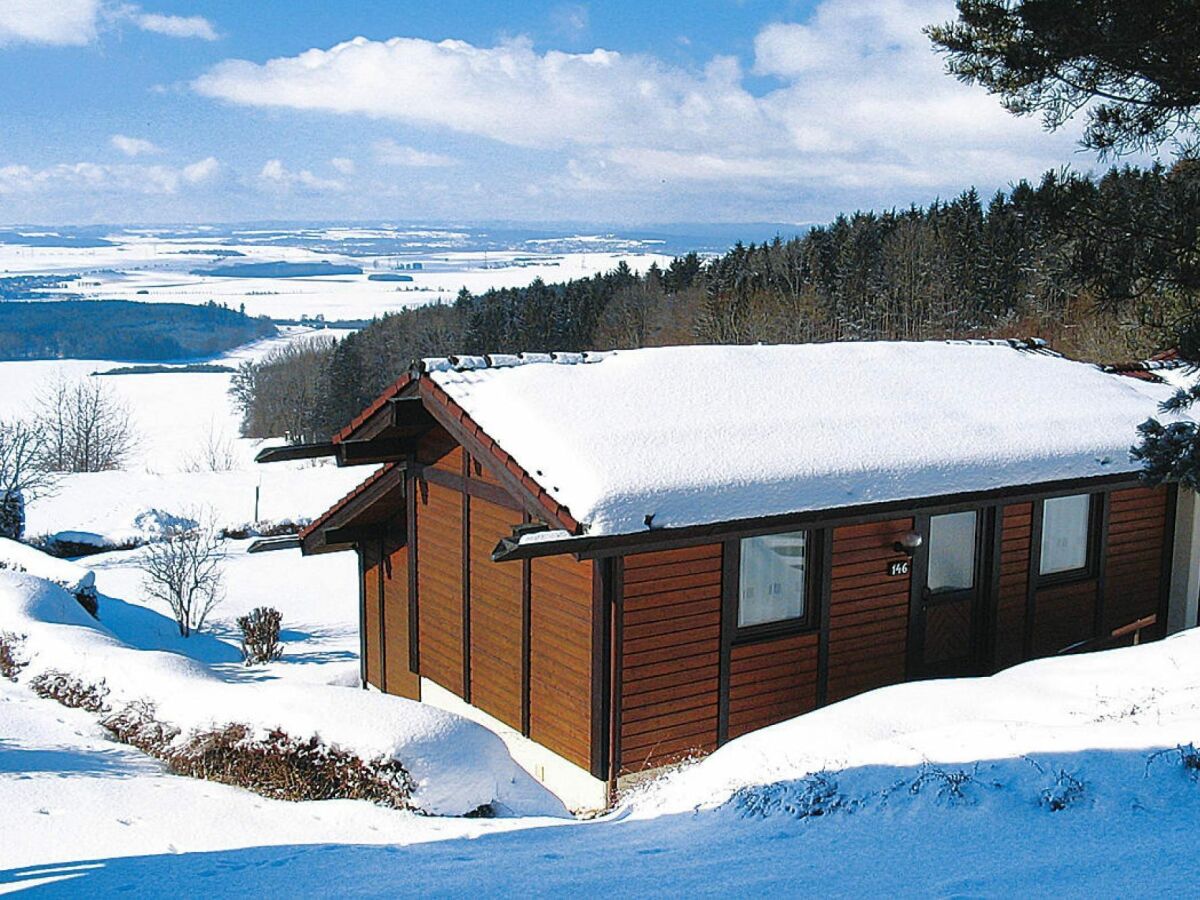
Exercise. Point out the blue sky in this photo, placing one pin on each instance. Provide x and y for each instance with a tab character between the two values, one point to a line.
623	113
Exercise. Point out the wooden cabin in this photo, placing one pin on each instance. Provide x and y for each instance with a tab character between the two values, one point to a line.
621	560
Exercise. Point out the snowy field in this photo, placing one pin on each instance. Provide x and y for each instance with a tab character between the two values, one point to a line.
153	268
1057	778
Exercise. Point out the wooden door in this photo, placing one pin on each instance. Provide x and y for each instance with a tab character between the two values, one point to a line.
949	588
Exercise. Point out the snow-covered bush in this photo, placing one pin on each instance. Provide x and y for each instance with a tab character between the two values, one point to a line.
952	787
71	691
1186	755
12	661
78	581
184	571
260	635
815	795
12	515
1064	791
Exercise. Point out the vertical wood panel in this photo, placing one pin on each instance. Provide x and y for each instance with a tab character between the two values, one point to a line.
439	584
560	657
868	610
670	645
371	573
496	619
1136	545
400	679
1016	523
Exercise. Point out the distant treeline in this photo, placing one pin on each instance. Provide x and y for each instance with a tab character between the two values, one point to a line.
1071	259
123	330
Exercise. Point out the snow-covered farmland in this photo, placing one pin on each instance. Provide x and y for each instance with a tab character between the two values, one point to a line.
153	268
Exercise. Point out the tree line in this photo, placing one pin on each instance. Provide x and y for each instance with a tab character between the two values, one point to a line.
1082	261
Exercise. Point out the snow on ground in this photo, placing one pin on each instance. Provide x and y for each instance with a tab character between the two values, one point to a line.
457	766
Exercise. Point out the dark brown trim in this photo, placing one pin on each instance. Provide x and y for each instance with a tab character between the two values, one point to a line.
414	617
362	617
471	486
825	598
1031	580
385	564
584	547
918	575
526	643
602	705
511	482
1168	563
1099	524
731	552
465	517
769	631
289	452
616	686
990	643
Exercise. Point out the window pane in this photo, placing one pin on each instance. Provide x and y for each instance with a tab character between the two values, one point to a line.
952	551
771	580
1065	522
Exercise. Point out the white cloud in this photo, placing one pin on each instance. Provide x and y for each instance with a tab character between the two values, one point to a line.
62	22
123	179
389	153
132	146
276	175
200	171
860	98
344	165
570	19
176	26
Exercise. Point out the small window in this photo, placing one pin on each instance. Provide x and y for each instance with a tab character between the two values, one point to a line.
952	540
773	579
1066	533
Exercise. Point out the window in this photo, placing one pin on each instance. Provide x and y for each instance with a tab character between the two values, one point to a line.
1066	533
773	579
952	540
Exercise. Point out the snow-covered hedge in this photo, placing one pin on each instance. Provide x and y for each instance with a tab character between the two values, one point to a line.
456	766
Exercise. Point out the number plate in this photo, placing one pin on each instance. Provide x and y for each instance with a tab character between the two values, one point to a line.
899	568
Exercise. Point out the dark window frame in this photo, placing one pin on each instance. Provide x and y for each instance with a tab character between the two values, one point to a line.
810	620
1091	568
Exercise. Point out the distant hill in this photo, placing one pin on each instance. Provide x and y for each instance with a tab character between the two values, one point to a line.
123	330
278	270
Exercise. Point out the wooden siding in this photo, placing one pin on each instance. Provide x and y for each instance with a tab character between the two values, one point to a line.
670	650
770	681
371	571
868	613
398	678
480	472
496	615
1137	542
1063	616
1016	523
452	461
560	657
439	584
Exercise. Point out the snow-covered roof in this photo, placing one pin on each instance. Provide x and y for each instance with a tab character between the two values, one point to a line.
680	436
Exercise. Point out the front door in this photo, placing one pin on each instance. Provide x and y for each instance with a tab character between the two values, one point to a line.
950	585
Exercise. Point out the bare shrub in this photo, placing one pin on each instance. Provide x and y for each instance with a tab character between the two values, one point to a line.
950	786
217	452
260	635
184	571
71	691
137	724
810	797
88	428
1065	790
1185	755
12	661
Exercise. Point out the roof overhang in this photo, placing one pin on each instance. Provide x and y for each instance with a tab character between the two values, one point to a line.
585	546
374	509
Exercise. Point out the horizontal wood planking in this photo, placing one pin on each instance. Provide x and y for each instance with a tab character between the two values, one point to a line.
479	472
770	681
560	657
670	647
1137	534
1063	615
496	637
452	461
868	613
400	679
371	572
439	585
1013	600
